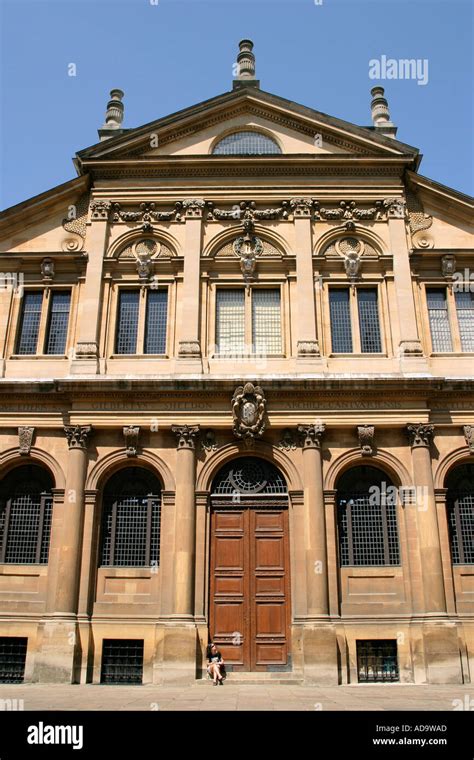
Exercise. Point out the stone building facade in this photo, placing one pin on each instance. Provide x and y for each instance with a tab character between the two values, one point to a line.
237	403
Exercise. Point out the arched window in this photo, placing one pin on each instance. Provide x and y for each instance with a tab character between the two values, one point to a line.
249	476
26	506
246	143
367	518
460	504
131	519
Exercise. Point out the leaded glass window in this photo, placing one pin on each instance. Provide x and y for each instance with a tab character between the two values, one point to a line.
439	319
367	518
369	326
127	328
230	321
30	322
58	322
465	312
246	143
341	330
155	326
266	322
460	505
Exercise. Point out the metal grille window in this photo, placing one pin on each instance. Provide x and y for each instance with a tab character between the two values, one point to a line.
127	328
30	322
439	319
368	532
370	341
58	322
246	143
26	506
131	519
341	330
155	326
230	321
122	661
465	313
377	661
266	322
460	504
12	658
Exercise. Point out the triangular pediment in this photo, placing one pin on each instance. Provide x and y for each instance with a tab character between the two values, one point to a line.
298	130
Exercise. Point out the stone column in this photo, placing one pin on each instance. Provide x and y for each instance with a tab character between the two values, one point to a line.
58	658
86	358
308	352
189	349
319	635
180	639
440	635
410	349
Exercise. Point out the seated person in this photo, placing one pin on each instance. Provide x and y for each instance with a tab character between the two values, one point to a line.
215	667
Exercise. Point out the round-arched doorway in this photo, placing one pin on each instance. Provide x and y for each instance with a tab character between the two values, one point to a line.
249	600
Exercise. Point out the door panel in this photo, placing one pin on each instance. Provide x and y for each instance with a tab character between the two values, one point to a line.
249	586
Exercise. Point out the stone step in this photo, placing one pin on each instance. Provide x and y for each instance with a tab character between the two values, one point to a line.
257	678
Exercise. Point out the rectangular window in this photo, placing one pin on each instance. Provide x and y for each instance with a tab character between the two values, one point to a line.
30	322
58	322
155	325
230	321
377	660
12	658
127	328
439	319
266	322
122	661
465	312
341	331
370	341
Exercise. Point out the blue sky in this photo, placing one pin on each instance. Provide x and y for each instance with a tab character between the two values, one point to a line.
175	53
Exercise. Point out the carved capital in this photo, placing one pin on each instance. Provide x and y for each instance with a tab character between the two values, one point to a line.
131	434
410	348
469	436
448	265
308	348
396	208
186	435
301	206
47	270
87	349
100	210
366	433
25	439
78	436
311	435
193	207
419	434
189	348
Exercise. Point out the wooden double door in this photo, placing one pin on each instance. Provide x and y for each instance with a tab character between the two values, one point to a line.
250	585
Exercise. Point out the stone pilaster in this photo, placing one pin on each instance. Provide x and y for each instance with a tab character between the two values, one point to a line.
440	635
189	348
86	352
410	349
58	658
180	639
308	350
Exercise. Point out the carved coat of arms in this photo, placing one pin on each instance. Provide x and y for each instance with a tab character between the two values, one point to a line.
248	411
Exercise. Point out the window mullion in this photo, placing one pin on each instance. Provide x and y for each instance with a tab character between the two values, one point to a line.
39	538
457	519
350	544
43	325
149	507
5	529
140	347
113	528
249	348
453	320
356	345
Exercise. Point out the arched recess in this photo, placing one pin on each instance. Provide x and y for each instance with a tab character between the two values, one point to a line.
133	236
261	449
229	235
116	460
11	459
340	232
383	459
453	459
246	128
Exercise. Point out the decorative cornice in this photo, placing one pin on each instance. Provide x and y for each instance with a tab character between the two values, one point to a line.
78	436
349	210
419	434
131	434
365	433
146	215
25	439
186	435
311	435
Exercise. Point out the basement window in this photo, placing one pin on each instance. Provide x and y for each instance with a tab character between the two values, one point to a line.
122	661
12	659
377	661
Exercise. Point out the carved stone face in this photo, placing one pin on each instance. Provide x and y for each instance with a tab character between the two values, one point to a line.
249	413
